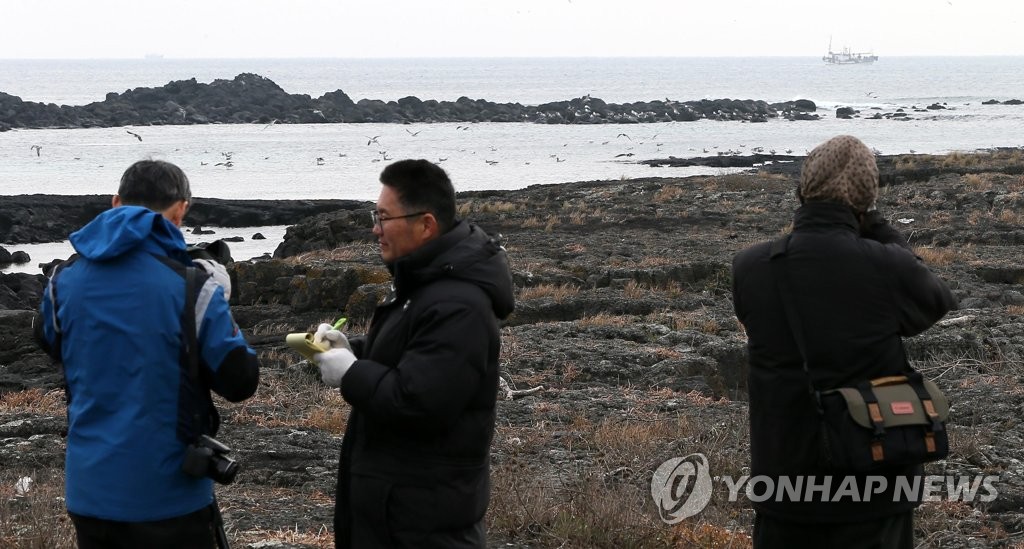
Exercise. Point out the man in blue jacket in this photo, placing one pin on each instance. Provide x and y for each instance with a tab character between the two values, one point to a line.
113	316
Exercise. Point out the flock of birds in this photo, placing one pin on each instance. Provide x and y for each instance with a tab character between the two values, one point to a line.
382	153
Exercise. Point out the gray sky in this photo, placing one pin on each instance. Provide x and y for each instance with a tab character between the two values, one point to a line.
66	29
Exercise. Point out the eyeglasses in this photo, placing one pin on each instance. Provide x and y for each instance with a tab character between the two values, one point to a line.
379	221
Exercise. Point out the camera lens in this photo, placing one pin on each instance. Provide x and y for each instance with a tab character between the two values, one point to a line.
222	469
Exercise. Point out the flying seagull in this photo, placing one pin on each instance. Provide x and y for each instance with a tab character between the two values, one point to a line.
414	134
36	148
372	140
137	136
624	135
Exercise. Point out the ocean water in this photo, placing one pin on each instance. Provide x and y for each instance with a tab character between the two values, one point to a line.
340	161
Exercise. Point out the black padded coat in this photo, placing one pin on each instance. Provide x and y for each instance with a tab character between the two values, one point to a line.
414	467
857	296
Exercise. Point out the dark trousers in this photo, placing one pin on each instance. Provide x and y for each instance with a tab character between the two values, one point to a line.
194	530
892	532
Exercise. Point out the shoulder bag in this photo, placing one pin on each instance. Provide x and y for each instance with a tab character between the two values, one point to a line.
884	422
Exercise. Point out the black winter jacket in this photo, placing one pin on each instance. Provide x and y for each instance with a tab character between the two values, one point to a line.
857	296
414	467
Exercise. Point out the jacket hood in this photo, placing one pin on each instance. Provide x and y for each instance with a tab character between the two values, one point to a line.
466	253
120	230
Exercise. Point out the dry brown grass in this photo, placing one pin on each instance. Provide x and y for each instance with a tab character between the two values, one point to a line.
708	536
668	193
938	257
532	222
700	320
33	401
1015	310
603	319
36	520
555	292
615	436
469	207
978	182
345	252
602	498
905	162
959	160
290	395
646	262
1011	217
264	501
638	290
323	538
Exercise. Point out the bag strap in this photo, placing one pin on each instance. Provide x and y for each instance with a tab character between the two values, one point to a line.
916	380
777	261
191	343
197	414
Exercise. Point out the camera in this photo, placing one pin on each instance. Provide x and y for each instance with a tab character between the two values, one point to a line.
217	251
206	458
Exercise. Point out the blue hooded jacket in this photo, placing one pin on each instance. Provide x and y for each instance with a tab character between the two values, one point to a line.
118	310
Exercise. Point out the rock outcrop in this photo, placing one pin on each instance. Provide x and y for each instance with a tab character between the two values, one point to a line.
254	99
50	218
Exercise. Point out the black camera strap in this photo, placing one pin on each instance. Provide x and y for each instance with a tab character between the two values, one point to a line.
191	343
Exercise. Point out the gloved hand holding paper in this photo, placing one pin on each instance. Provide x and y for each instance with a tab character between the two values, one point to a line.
326	337
331	337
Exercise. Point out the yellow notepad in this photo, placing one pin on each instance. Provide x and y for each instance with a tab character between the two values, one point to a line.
303	343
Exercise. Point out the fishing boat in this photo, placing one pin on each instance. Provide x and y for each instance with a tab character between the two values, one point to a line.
847	57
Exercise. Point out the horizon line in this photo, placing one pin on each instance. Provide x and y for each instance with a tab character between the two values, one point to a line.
157	58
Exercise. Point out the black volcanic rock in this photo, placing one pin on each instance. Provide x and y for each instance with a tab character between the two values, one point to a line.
49	218
845	112
250	98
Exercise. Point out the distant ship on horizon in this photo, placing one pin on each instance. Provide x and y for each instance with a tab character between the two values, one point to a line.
847	57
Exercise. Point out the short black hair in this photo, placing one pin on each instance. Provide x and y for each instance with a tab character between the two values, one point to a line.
154	184
423	186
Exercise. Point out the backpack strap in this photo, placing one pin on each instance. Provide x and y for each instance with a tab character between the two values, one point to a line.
197	414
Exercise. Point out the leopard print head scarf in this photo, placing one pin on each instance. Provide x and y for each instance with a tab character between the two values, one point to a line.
841	170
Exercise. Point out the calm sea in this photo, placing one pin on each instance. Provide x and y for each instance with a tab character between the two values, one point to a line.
336	160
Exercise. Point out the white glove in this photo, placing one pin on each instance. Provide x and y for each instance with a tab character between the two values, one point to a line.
325	333
334	364
218	272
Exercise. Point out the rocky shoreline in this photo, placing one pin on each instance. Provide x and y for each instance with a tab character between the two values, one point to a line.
254	99
624	318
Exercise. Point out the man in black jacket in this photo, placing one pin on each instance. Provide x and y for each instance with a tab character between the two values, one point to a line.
859	289
422	383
